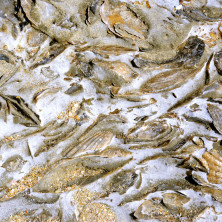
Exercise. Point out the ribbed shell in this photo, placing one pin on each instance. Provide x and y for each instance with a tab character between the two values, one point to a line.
214	165
216	114
97	141
122	21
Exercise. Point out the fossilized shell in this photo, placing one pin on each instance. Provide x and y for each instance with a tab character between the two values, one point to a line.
174	200
188	55
114	152
155	134
22	112
119	69
35	38
218	62
213	162
99	140
8	66
121	182
201	13
79	171
13	163
149	210
169	80
216	114
122	21
216	193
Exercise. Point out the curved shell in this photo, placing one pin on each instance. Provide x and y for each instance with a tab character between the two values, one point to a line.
13	163
79	171
188	55
216	114
121	182
174	200
122	21
213	161
168	80
149	210
156	134
97	141
218	61
8	66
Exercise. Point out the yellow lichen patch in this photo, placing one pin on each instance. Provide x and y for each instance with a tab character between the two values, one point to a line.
84	196
97	212
70	112
115	19
24	217
212	37
28	181
143	3
10	138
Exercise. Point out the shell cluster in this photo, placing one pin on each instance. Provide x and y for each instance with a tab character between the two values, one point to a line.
110	110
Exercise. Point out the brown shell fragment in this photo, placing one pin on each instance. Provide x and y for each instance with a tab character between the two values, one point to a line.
174	200
214	164
216	114
13	163
189	54
8	66
155	134
97	141
168	80
122	21
120	69
121	182
78	172
218	62
21	111
149	210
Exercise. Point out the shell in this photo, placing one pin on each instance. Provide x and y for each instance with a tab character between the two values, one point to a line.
218	62
97	141
79	171
149	210
119	69
13	163
188	56
122	21
121	182
168	80
214	165
155	134
174	200
8	66
114	152
216	114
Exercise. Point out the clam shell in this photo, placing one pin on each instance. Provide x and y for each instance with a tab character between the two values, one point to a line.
155	134
13	163
8	66
168	80
214	165
122	21
79	171
216	114
97	141
174	200
149	210
121	182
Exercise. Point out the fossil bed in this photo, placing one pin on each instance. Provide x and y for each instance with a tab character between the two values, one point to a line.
110	110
